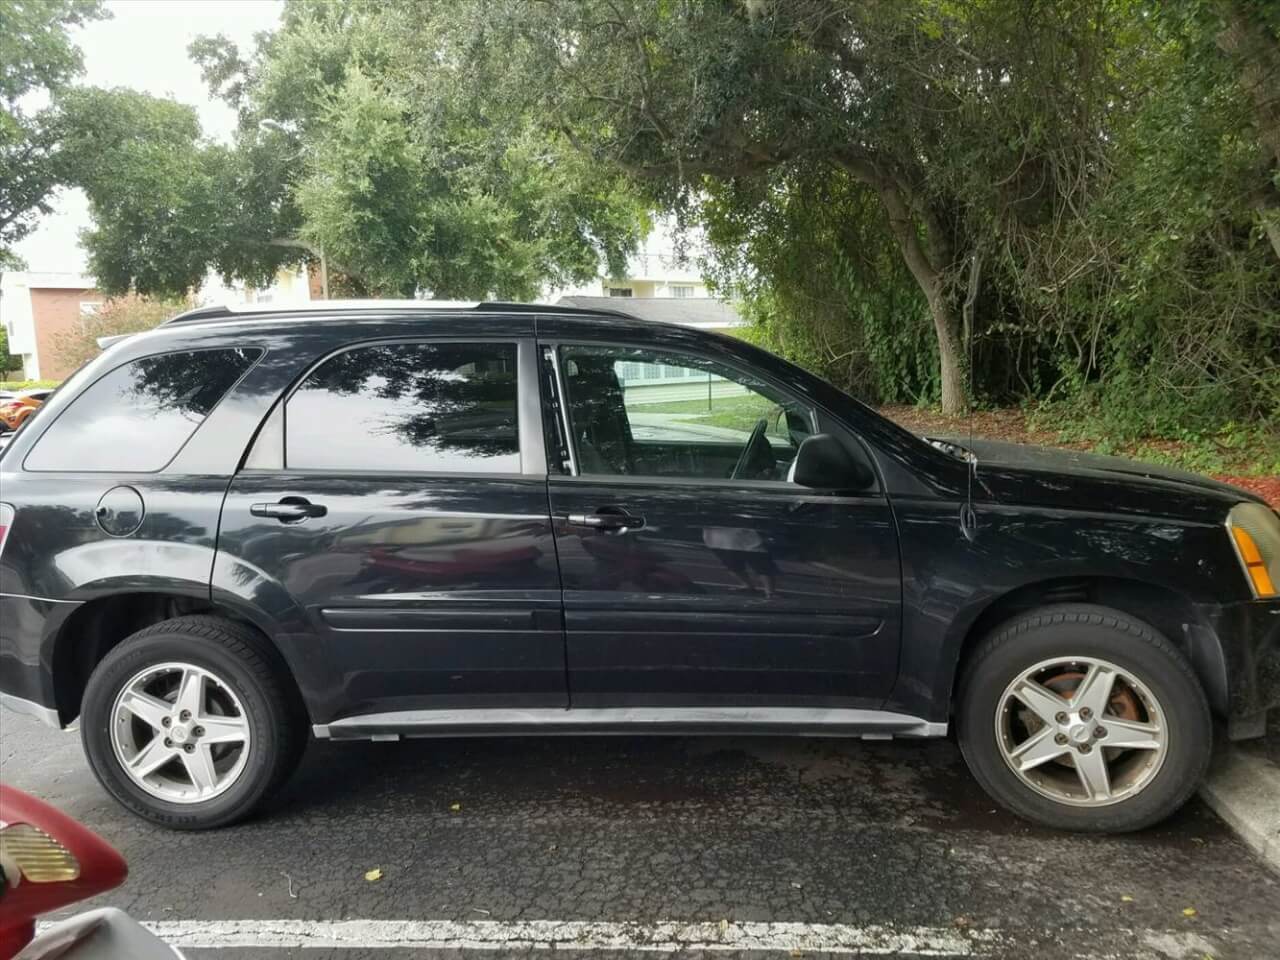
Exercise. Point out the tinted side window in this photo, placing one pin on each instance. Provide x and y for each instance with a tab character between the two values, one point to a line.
137	417
647	413
426	407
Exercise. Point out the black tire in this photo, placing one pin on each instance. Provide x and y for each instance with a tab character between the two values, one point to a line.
1085	630
236	654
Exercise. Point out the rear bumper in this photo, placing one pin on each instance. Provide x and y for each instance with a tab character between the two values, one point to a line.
27	626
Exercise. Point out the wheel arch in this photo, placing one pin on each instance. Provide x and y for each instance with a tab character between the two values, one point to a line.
1169	612
96	626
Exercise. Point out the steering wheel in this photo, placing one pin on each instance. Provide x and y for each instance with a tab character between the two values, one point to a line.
753	451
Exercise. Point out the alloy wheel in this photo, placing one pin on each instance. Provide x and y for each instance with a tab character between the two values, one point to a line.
1081	731
180	733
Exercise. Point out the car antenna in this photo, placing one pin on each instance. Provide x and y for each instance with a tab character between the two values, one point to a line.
968	517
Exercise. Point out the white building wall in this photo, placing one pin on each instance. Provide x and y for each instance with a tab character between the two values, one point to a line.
655	270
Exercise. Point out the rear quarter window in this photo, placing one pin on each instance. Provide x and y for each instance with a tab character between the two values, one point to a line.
137	417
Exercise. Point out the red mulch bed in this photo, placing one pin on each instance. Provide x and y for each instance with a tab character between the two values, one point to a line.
1267	487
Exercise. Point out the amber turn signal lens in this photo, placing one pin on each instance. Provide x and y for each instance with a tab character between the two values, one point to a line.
1254	565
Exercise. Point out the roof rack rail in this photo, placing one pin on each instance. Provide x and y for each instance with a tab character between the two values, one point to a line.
231	312
199	313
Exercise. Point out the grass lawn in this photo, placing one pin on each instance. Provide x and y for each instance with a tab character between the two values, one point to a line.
735	413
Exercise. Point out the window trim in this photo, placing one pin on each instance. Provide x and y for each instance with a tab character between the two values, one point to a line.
817	414
528	418
35	444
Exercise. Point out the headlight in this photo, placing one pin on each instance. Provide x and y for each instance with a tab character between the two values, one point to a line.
1255	531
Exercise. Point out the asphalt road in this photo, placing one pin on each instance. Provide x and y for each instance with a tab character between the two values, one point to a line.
603	845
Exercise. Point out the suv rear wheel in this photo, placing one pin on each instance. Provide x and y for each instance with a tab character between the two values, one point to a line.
188	724
1081	717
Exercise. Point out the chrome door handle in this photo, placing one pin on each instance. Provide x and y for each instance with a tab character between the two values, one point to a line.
289	510
605	520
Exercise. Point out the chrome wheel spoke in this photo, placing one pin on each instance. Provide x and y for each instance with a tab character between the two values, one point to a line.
168	748
1130	734
1039	748
1094	691
150	710
191	692
224	729
151	758
1043	702
1113	755
199	764
1094	776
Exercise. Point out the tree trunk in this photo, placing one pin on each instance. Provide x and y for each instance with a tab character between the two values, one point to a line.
950	356
928	273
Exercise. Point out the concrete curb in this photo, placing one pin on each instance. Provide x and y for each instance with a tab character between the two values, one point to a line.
1244	790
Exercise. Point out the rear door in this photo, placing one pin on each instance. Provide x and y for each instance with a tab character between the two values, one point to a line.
398	495
695	572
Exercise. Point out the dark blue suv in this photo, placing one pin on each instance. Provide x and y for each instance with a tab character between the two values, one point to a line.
415	519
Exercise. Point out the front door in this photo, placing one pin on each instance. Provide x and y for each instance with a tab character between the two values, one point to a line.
695	572
405	515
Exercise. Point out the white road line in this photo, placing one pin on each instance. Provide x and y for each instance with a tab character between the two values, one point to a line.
495	935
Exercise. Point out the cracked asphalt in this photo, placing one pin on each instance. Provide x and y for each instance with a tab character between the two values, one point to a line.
671	829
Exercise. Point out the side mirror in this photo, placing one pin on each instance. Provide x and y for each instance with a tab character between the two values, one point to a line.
823	462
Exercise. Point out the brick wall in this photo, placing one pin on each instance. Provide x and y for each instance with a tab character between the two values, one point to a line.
52	311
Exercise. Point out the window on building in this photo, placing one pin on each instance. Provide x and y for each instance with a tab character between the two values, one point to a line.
620	291
137	417
681	291
428	407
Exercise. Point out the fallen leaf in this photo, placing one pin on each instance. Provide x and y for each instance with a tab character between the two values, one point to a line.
1125	898
455	807
374	874
1190	912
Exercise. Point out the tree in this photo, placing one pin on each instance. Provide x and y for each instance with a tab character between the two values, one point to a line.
8	361
121	315
167	205
1013	154
37	58
1250	35
937	110
355	141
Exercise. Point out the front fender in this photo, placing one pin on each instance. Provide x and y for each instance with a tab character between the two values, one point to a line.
951	582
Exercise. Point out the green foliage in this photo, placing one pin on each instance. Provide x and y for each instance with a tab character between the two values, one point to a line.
16	385
36	57
810	265
356	142
1070	199
8	361
1228	447
1074	203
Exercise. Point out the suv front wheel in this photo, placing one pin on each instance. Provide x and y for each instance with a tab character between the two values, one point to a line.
188	723
1082	717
